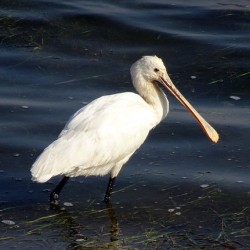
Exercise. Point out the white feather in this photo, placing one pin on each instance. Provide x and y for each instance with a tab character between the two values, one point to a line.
98	139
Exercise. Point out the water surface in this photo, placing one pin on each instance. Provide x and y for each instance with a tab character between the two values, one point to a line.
179	190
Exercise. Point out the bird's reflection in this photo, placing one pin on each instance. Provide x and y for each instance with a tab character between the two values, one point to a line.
114	225
73	229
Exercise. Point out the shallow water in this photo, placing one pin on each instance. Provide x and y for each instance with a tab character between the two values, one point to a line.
179	191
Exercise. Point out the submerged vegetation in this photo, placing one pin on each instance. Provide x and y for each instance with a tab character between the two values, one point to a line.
207	50
211	219
27	33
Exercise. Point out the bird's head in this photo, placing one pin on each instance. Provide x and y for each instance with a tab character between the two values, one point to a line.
152	69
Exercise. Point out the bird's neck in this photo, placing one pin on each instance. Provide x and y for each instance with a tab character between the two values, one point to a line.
154	97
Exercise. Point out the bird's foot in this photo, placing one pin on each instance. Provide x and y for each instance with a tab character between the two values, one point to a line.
107	200
54	200
109	190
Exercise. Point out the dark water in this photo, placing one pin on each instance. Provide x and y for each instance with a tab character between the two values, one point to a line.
179	191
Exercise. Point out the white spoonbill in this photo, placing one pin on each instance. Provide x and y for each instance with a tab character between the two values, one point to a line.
102	136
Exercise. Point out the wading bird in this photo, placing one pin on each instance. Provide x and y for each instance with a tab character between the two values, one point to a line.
102	136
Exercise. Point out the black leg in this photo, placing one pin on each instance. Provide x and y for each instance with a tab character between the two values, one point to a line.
109	189
54	196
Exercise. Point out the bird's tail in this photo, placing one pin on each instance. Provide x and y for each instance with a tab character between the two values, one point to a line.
38	170
46	165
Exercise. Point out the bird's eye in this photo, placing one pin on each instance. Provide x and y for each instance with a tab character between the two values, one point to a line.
156	70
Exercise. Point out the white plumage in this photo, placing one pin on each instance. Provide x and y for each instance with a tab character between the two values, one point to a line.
100	137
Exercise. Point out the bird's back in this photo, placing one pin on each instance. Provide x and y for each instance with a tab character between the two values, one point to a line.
99	135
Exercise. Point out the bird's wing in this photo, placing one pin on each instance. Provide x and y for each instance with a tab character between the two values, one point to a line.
102	133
